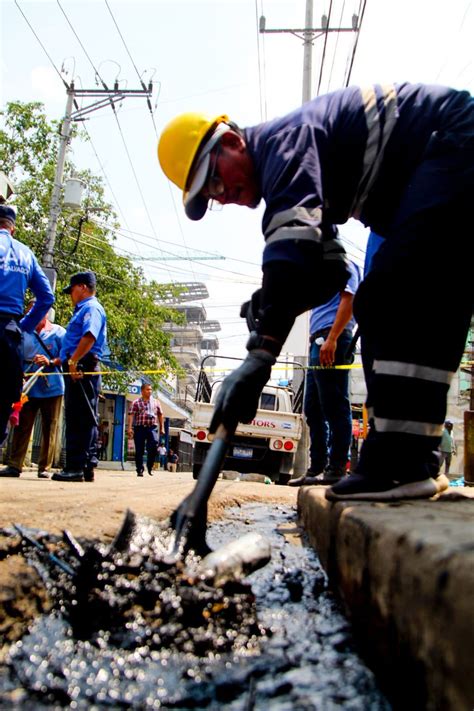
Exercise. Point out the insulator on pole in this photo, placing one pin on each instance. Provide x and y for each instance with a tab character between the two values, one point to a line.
262	23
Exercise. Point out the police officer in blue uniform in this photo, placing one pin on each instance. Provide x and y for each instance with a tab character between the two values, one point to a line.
19	270
83	346
399	158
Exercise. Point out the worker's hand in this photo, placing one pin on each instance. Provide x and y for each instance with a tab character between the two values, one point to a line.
40	359
130	433
75	373
327	352
237	399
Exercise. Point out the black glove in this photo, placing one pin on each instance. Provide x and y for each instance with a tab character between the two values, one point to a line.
237	399
250	310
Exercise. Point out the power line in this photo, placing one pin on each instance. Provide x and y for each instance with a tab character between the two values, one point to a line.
174	244
362	5
326	35
151	116
118	124
335	47
42	46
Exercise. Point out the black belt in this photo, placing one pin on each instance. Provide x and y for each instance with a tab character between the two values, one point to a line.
322	332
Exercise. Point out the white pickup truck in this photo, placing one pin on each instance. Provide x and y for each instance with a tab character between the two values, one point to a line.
267	445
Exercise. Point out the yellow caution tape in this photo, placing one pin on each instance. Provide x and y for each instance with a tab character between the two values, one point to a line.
158	371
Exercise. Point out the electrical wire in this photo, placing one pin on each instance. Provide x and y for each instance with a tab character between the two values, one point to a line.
335	48
326	35
42	46
361	13
174	244
152	118
99	78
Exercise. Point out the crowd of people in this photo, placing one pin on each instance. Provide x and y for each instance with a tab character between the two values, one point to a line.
65	365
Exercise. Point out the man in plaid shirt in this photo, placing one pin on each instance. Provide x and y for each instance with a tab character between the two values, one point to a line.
145	425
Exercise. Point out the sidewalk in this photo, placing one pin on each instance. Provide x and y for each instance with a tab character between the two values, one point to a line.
405	573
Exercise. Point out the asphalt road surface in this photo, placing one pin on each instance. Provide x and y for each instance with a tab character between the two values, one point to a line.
96	509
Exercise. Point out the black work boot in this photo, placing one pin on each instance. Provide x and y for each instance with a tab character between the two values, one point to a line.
311	477
10	471
68	476
331	475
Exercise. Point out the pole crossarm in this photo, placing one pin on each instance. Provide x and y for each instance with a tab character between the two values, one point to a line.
311	30
105	97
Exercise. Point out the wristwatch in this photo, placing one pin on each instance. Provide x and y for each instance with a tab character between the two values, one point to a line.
263	342
72	362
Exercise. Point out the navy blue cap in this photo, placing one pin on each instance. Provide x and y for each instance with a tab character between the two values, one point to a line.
86	278
7	213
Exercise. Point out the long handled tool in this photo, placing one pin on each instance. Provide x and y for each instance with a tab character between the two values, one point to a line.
190	518
16	407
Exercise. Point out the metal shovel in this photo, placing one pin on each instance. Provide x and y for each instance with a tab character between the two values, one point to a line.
189	520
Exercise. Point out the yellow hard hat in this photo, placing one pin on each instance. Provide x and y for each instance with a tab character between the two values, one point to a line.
180	142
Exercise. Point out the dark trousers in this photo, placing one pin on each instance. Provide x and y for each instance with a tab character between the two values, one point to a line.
50	408
81	411
11	367
328	410
414	309
145	436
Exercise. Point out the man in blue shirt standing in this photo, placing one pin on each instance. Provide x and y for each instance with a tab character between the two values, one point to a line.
40	349
19	270
327	404
399	158
83	346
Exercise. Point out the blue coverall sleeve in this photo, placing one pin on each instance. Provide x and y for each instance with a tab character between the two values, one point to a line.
39	284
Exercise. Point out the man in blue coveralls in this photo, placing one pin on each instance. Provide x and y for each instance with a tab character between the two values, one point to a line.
84	344
400	158
19	270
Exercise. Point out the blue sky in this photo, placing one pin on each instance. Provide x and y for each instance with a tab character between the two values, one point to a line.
208	56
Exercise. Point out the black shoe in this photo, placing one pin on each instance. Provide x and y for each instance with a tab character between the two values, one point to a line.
311	477
43	474
331	475
68	476
358	487
10	471
150	473
88	475
140	473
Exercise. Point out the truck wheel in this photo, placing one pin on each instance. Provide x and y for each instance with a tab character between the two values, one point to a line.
283	479
196	470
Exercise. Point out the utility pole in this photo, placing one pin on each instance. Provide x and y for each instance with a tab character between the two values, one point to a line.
308	34
300	332
103	98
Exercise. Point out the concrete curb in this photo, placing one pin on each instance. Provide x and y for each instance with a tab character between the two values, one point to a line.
405	573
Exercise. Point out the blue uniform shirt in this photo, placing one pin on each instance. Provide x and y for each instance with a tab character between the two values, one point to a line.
19	270
88	317
324	316
52	337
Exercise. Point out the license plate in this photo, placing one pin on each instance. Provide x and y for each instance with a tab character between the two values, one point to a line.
242	452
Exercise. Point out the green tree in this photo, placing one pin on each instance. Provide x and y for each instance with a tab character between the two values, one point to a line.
135	307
